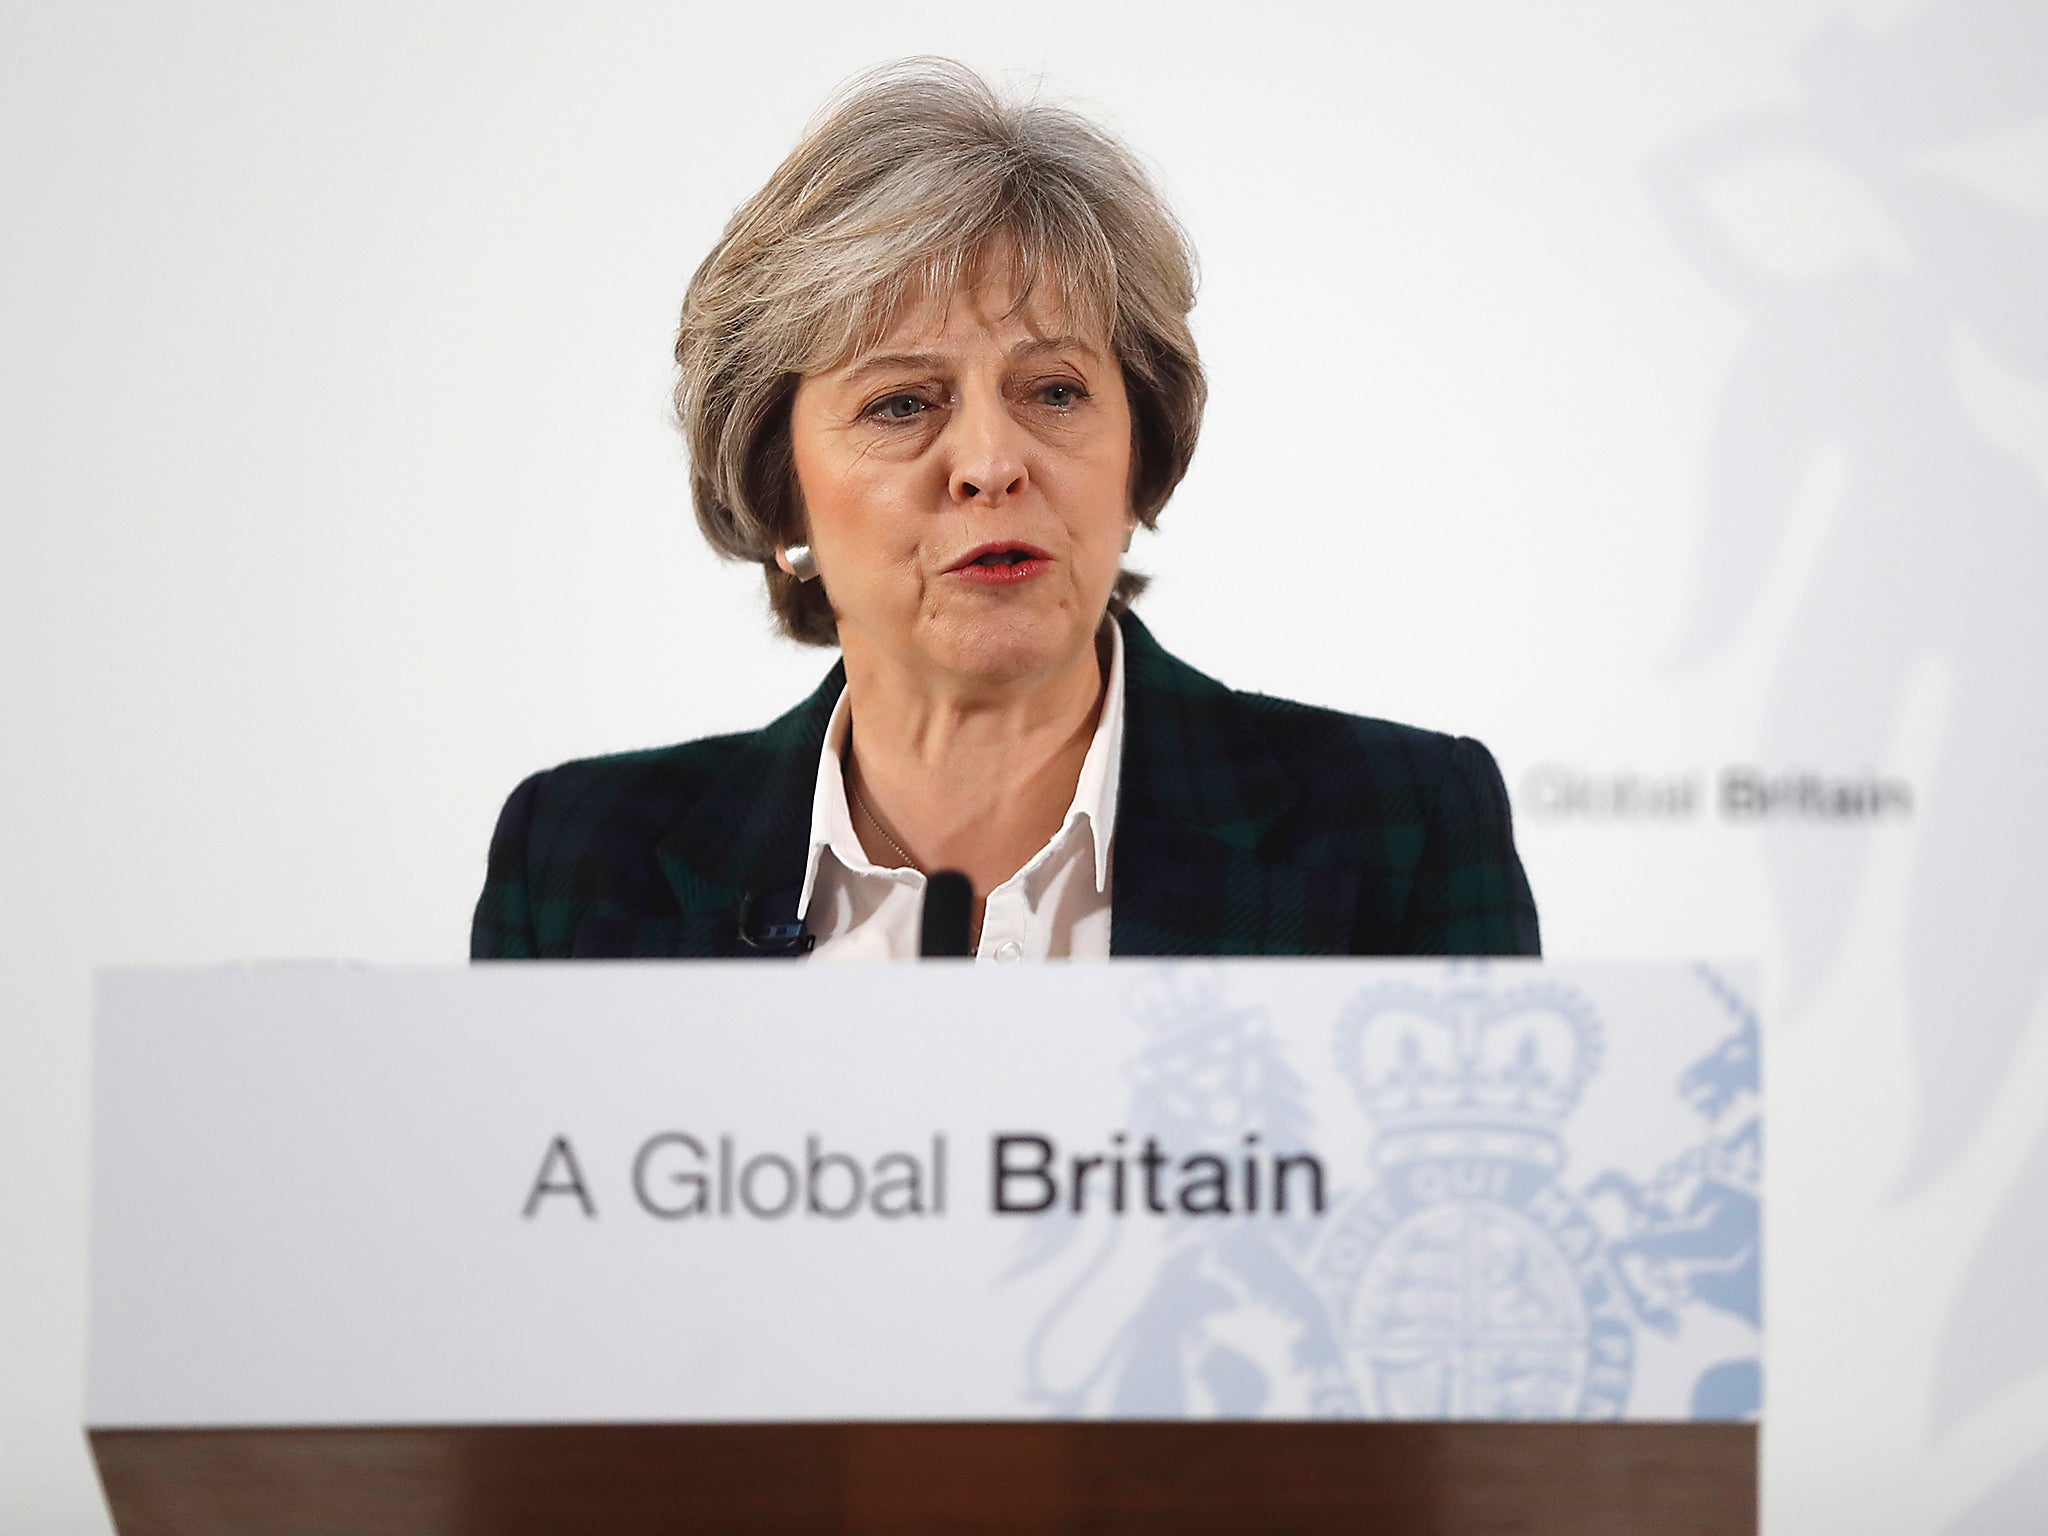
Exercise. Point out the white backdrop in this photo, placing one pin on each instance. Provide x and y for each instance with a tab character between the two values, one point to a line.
1644	390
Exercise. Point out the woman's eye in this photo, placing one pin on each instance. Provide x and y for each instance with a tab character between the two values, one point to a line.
897	407
1061	395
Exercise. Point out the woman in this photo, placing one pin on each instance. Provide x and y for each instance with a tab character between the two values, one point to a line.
933	377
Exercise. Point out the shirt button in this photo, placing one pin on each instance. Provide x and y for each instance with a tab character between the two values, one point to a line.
1008	951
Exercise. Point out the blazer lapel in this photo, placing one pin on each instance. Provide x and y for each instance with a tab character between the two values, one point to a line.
1202	865
749	833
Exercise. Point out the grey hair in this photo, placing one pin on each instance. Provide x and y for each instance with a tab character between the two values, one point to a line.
906	182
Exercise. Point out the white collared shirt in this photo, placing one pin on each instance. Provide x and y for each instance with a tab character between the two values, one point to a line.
1055	908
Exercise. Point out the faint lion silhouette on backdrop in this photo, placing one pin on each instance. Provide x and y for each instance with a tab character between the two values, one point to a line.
1936	550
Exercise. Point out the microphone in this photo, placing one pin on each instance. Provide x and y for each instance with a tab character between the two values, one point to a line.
769	924
948	917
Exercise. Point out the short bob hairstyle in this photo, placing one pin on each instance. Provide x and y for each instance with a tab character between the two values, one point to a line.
910	179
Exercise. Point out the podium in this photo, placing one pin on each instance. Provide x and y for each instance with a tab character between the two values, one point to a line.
1250	1246
1401	1479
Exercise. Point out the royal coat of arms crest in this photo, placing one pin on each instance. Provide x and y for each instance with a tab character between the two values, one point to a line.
1466	1267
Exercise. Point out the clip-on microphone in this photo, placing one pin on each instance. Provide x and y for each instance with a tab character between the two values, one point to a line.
769	924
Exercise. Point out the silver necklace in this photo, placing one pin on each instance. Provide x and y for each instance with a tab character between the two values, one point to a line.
875	821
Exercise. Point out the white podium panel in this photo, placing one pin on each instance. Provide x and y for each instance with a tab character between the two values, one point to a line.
702	1192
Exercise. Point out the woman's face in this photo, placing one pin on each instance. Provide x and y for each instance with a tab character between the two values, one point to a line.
967	484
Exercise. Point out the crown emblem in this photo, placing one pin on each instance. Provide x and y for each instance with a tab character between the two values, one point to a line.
1469	1068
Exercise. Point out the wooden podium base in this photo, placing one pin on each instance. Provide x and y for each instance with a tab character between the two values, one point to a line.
909	1479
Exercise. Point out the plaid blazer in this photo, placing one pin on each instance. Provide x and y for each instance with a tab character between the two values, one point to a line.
1245	825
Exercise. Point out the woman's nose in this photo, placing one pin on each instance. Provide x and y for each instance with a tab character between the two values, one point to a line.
988	454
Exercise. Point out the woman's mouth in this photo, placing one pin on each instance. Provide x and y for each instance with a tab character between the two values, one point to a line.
1001	565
